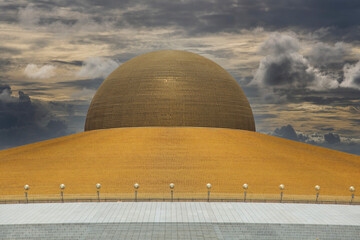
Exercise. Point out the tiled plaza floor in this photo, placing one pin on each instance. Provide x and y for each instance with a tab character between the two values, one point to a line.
179	220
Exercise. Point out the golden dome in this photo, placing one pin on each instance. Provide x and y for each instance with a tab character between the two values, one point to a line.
170	88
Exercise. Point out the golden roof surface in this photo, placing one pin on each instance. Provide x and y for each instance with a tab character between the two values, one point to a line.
189	157
170	88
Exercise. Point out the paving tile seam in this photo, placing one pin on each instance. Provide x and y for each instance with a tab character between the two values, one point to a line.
174	223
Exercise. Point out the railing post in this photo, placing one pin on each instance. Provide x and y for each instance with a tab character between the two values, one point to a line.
317	188
281	187
62	187
245	187
26	187
352	190
208	187
98	186
136	187
317	196
172	186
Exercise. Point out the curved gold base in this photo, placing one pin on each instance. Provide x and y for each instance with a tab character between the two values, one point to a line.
187	156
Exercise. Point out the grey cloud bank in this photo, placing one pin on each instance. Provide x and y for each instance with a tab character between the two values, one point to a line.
23	121
287	55
328	140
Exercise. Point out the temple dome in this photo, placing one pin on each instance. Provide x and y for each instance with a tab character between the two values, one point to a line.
170	88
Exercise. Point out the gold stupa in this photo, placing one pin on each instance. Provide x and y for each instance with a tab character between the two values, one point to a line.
170	88
174	117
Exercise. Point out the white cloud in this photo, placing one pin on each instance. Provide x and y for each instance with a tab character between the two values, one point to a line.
33	71
322	81
284	67
278	43
351	76
95	67
322	53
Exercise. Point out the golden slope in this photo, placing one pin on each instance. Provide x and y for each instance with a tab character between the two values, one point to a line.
189	157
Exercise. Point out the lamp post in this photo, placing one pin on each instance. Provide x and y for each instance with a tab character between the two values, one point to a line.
26	187
317	189
281	187
245	187
172	186
98	186
62	187
136	187
352	190
208	187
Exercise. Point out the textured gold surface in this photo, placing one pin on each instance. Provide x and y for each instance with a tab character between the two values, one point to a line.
170	88
187	156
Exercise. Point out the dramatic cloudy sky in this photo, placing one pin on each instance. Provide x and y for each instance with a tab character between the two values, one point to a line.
298	61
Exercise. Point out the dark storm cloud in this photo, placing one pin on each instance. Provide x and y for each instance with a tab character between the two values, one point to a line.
287	132
284	75
325	54
332	138
328	140
226	15
24	121
284	68
203	16
334	97
340	97
334	34
30	87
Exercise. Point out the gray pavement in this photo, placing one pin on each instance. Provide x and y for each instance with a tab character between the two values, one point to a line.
179	212
178	220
